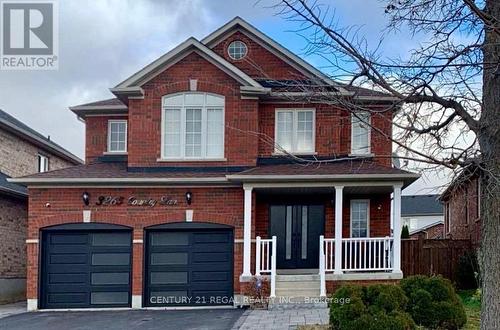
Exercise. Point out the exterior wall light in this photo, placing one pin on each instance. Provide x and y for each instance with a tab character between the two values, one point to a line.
86	198
189	197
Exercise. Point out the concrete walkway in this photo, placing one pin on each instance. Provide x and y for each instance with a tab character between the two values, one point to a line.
285	319
12	309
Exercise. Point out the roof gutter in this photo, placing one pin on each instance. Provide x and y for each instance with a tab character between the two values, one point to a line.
315	177
13	192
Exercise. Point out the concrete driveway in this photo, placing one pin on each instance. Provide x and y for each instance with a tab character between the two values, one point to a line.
217	319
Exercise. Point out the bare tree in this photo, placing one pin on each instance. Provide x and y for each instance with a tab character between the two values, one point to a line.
446	95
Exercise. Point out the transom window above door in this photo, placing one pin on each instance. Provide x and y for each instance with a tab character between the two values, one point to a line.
192	126
295	131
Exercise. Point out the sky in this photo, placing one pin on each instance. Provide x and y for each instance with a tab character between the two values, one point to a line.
102	42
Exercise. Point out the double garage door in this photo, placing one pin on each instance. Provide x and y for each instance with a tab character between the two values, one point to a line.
90	265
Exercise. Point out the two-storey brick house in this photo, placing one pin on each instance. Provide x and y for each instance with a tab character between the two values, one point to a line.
23	151
201	167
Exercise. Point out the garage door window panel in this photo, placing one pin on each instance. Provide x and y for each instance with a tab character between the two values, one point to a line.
110	259
178	258
169	277
110	278
110	239
168	239
109	298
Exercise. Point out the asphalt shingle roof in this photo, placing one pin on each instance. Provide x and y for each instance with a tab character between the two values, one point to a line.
340	167
11	188
120	170
107	102
421	205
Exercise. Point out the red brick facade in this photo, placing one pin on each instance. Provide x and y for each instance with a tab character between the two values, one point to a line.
246	120
96	136
259	62
462	217
217	205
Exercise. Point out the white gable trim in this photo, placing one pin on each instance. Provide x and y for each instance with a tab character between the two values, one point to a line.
274	47
175	55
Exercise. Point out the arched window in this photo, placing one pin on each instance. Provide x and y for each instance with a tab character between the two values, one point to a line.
192	126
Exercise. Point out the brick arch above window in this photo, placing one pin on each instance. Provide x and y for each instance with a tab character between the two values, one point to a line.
160	90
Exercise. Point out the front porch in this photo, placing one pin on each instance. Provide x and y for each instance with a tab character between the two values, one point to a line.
322	231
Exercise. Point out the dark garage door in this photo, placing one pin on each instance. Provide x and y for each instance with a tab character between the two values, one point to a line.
86	268
189	266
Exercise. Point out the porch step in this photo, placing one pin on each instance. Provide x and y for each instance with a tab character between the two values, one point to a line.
297	278
300	286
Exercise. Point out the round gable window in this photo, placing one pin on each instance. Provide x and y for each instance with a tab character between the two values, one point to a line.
237	50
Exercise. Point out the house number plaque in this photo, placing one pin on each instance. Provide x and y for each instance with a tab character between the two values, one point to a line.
134	201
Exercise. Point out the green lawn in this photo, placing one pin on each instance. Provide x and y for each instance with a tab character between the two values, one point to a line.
472	308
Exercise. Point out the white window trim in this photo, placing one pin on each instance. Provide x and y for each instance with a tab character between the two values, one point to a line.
294	131
368	152
183	108
111	121
39	158
367	215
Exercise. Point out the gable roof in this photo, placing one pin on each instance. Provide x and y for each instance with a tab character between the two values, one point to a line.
176	54
11	188
112	106
17	127
421	205
271	45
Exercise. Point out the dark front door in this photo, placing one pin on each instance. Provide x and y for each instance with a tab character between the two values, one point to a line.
297	229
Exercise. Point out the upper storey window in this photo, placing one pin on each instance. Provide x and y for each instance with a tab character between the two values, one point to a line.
192	126
237	50
117	136
294	130
360	133
43	163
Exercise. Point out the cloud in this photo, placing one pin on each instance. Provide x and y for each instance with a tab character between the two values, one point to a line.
101	43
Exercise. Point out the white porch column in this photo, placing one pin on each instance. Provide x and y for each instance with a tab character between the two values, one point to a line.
338	229
397	227
247	231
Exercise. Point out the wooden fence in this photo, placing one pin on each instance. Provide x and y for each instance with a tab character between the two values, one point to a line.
432	256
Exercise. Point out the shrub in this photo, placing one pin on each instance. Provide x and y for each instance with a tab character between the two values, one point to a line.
376	307
405	232
433	302
468	271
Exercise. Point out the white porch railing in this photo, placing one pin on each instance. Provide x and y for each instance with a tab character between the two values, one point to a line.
326	261
367	254
358	255
265	263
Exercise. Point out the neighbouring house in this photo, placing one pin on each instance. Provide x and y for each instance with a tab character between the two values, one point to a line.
462	207
23	151
189	191
423	214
